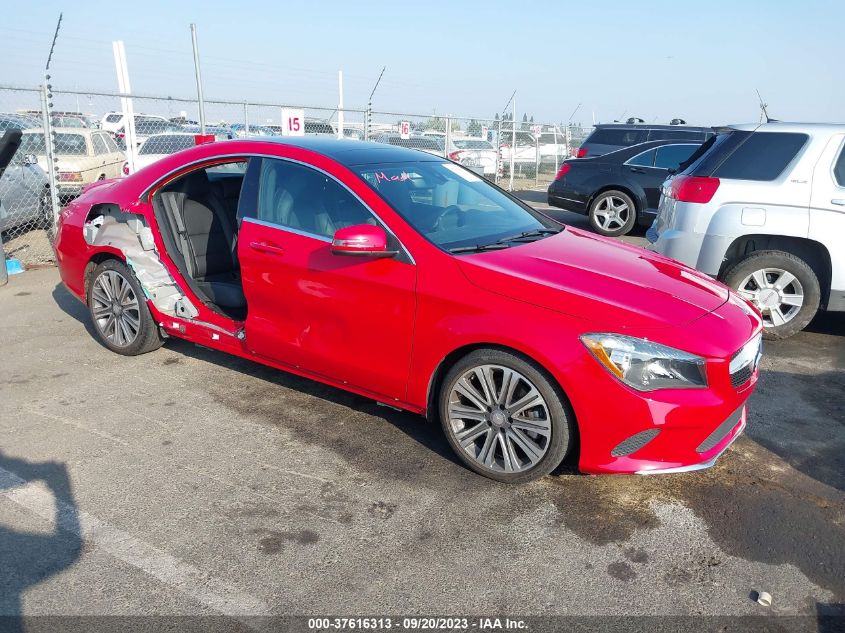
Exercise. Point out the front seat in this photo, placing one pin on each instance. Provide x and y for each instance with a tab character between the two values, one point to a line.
207	239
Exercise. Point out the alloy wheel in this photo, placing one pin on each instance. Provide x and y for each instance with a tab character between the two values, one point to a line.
499	418
612	213
775	292
115	308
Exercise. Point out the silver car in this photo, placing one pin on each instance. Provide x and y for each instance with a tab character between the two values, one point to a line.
24	194
762	208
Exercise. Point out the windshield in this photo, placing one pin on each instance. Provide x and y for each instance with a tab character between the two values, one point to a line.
449	205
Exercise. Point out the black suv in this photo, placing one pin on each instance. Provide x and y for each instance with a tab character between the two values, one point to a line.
609	137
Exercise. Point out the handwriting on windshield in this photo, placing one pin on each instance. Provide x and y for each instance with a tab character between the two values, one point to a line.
383	177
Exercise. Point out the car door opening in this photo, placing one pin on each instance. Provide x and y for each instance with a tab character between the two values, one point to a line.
197	216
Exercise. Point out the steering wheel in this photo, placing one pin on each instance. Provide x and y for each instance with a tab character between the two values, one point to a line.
450	210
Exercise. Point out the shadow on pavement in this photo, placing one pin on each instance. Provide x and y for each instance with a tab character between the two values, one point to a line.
29	558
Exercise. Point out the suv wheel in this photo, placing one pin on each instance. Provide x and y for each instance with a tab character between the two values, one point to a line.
783	288
613	213
504	417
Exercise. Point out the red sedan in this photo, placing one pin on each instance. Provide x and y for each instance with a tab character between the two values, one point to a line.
406	278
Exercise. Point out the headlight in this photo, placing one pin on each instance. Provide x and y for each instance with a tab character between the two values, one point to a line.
644	365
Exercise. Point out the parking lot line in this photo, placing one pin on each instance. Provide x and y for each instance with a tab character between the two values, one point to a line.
214	594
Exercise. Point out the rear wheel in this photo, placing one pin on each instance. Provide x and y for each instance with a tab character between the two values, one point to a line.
782	287
119	311
503	416
613	213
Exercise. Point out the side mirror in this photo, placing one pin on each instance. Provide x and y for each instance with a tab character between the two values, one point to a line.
30	159
365	240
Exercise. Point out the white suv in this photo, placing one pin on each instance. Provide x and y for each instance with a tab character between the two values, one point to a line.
762	208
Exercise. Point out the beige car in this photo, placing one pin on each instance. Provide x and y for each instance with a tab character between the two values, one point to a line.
84	156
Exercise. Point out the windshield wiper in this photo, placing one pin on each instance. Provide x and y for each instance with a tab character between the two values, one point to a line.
477	248
528	234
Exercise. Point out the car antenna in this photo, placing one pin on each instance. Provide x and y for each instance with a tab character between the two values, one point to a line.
763	106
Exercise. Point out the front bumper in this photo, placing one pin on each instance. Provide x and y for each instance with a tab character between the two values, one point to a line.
715	453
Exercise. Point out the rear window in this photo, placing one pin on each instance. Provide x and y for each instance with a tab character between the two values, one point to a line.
113	118
675	135
741	155
615	136
166	144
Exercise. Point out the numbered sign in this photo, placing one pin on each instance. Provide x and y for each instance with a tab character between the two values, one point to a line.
293	122
405	129
537	129
484	132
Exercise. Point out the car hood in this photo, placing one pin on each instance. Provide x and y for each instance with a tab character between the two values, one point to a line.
601	280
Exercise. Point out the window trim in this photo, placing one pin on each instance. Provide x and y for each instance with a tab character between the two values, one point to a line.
645	151
840	155
202	163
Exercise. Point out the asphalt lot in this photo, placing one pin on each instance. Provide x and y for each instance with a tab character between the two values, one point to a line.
190	482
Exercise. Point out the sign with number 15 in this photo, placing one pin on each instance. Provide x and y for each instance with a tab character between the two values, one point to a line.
293	122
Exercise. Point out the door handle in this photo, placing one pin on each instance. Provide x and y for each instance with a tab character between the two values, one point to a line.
838	201
266	248
637	170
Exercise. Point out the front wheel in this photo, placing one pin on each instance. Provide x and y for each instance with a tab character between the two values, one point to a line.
119	311
503	417
781	286
613	213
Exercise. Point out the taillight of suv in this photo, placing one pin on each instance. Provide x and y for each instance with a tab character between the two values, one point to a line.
581	153
700	189
564	169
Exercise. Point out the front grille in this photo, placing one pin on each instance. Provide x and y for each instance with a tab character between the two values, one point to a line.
741	376
634	443
720	432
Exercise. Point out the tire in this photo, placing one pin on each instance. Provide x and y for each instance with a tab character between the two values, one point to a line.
612	213
497	442
131	329
760	278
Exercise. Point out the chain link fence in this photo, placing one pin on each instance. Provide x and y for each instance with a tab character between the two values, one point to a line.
84	135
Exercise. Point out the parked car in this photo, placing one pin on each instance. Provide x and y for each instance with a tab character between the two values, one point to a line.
319	128
146	127
115	121
10	121
158	146
428	144
552	149
474	153
24	194
69	120
619	189
525	153
405	278
762	208
239	130
610	137
83	156
220	132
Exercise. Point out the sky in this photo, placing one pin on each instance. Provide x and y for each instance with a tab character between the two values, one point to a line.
602	60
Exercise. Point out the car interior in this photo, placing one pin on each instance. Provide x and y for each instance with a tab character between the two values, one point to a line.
197	213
